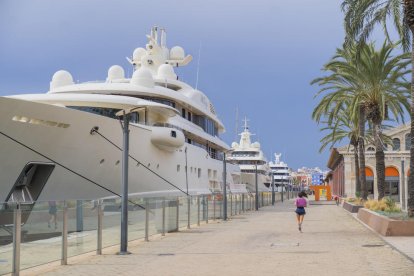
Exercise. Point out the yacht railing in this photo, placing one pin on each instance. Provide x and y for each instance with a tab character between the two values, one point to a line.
57	230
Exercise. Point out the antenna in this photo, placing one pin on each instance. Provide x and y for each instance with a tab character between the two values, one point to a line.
198	65
237	124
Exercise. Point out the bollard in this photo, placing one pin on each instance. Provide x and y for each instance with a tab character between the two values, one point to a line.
17	235
99	238
243	210
64	260
163	217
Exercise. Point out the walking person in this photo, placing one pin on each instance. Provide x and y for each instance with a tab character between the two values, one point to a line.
52	213
300	203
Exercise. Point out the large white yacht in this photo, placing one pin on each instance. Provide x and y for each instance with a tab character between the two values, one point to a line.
280	173
67	143
251	159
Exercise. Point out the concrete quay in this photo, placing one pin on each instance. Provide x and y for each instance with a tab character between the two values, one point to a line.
266	242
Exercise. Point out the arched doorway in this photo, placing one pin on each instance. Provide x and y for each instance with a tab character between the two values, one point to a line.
370	181
392	183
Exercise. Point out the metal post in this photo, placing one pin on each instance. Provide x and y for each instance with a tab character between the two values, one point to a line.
163	217
100	222
224	187
257	189
402	184
178	214
124	198
17	235
79	215
188	211
146	219
243	207
214	207
186	184
273	190
283	186
206	201
231	204
64	260
198	210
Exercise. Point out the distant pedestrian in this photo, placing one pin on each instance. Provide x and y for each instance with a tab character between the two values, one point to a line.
52	213
300	203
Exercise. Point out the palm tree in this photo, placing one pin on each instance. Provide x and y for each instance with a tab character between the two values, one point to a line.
343	86
361	17
344	127
373	82
386	91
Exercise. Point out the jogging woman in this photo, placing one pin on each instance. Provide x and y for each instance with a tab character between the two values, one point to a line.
300	203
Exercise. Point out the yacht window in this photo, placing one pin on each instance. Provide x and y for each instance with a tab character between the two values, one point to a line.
159	100
173	133
199	172
183	112
107	112
189	116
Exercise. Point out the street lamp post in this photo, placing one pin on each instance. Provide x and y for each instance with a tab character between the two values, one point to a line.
257	189
273	188
124	199
224	187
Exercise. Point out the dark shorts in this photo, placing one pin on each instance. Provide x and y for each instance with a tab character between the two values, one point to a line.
300	211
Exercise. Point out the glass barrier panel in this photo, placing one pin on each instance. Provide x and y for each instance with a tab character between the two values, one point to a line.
41	230
194	209
82	226
6	239
136	218
111	222
183	216
155	210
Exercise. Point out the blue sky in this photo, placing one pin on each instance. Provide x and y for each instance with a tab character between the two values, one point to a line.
256	56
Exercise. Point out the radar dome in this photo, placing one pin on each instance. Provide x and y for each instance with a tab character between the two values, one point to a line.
166	71
138	54
143	77
61	78
115	72
177	53
256	145
234	145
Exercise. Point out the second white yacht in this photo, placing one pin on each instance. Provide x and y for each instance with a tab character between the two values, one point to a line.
252	162
280	173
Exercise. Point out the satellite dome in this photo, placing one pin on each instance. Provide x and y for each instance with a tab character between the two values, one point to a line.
138	54
256	145
234	145
166	71
177	53
115	72
61	78
143	77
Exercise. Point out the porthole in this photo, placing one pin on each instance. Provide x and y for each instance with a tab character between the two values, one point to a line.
102	161
117	163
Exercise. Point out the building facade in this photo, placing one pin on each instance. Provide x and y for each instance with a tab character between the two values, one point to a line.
397	155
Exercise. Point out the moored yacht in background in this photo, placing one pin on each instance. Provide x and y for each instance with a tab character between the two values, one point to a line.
251	160
280	173
67	143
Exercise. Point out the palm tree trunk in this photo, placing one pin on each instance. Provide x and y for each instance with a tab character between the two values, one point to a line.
357	181
379	160
361	147
410	188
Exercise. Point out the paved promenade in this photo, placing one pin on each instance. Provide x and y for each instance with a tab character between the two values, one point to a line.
256	243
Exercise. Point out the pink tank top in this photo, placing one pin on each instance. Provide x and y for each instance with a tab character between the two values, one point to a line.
300	202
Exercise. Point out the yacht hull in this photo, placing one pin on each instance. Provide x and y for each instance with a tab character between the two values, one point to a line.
88	166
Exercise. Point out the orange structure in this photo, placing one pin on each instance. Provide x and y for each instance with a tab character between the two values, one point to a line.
317	190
